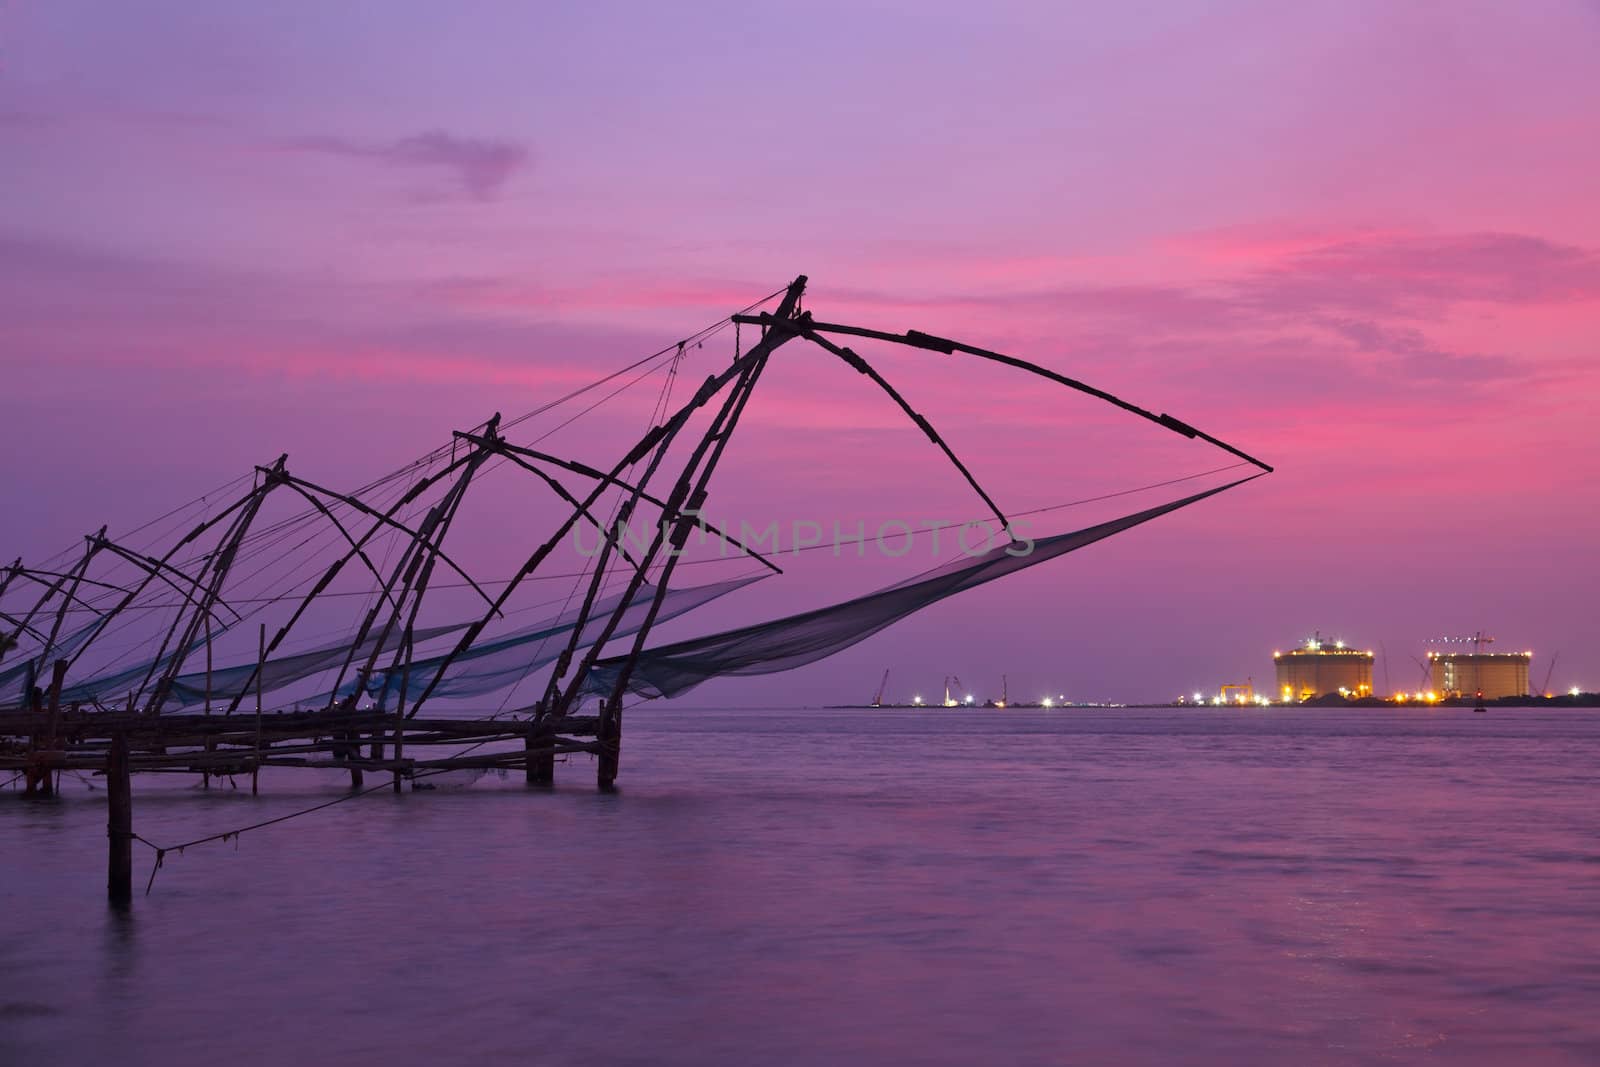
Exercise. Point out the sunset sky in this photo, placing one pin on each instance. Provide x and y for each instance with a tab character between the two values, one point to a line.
1360	240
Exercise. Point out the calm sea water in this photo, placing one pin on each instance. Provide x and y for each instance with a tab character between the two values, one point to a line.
1018	887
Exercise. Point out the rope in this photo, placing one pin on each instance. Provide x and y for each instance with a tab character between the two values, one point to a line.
1016	514
698	336
334	594
162	850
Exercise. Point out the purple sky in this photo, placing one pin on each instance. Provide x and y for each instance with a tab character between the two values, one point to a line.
1360	241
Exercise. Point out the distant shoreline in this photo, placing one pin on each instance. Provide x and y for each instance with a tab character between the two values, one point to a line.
1582	700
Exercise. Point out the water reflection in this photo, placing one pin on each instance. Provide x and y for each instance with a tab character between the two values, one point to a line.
1026	887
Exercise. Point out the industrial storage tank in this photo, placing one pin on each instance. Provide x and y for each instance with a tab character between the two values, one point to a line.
1318	668
1484	675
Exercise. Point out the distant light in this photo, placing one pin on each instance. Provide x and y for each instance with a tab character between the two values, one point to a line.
969	698
1199	698
1573	691
916	700
1338	644
1047	702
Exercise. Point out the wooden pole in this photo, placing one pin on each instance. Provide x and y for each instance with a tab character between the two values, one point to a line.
52	779
541	757
58	673
352	752
35	724
119	824
205	776
261	659
400	713
610	738
541	763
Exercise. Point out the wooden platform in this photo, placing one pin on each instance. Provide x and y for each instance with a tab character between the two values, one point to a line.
194	743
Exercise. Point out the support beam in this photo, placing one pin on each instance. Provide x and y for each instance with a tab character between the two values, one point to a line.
928	342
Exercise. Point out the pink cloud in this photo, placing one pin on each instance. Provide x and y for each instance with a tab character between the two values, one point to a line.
1413	272
1257	241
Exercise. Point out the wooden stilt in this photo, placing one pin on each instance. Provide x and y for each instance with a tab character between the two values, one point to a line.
541	760
52	742
255	764
205	776
33	771
530	746
58	673
399	714
353	752
541	756
119	823
609	735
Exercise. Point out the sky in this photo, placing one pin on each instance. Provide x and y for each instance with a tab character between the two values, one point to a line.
1359	240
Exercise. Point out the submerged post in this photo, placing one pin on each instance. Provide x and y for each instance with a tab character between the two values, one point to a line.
119	822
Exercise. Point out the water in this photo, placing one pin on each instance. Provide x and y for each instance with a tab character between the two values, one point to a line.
1135	886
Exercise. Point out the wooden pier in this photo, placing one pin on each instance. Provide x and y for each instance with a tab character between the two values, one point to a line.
39	746
36	744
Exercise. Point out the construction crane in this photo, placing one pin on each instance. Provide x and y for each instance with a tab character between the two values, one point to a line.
1246	691
877	701
951	701
1426	676
1476	640
1545	688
